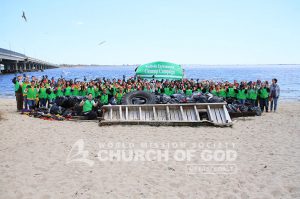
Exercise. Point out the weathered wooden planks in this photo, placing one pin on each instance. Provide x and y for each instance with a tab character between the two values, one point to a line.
217	114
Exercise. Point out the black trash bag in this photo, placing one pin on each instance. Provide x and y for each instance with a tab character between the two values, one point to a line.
255	109
113	101
164	99
67	113
77	110
230	100
243	108
230	108
196	95
179	98
215	99
60	100
55	109
69	102
202	99
190	100
43	110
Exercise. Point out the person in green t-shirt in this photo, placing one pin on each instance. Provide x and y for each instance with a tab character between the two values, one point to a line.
68	89
51	95
252	94
104	97
263	94
18	92
31	92
58	90
88	105
42	95
119	95
24	86
241	94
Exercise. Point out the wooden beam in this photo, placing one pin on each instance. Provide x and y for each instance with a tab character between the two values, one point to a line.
154	113
196	112
168	112
182	114
140	113
110	113
126	112
120	111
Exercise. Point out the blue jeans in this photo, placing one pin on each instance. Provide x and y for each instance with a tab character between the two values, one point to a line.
252	101
43	102
242	101
31	104
274	103
25	102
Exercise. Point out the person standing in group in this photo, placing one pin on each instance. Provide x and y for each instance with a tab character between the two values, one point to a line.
42	94
263	93
32	93
24	86
18	92
274	94
252	94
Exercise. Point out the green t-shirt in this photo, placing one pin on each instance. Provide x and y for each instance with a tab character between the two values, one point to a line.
24	86
42	93
119	97
75	91
104	99
17	86
59	92
241	94
68	91
88	105
263	93
222	93
51	95
189	92
91	90
31	93
252	94
231	92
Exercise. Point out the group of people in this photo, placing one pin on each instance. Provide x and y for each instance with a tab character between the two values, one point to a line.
33	92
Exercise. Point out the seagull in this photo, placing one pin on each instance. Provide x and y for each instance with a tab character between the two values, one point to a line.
23	16
102	42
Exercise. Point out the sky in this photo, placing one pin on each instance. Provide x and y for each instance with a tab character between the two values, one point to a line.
141	31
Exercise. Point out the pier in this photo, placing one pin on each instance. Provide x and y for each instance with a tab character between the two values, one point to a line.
12	62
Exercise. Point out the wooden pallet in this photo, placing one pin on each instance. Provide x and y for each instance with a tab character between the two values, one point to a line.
167	114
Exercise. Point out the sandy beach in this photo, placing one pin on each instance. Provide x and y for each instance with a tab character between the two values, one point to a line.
33	156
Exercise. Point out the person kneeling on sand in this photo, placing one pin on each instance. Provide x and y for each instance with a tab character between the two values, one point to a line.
88	105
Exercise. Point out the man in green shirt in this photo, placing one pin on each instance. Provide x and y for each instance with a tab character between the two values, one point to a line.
88	105
263	94
24	86
104	98
18	92
31	92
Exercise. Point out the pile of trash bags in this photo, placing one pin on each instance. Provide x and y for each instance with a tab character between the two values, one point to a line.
67	106
62	108
196	97
236	107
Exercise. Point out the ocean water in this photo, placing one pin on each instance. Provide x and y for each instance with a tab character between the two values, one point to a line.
288	75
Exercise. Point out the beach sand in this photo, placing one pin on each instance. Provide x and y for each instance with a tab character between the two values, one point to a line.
33	156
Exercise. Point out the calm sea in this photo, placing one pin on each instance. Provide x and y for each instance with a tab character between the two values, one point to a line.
288	75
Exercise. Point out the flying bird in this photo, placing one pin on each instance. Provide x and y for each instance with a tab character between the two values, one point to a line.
23	16
102	42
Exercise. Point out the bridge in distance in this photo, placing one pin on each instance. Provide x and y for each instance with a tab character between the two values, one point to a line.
12	62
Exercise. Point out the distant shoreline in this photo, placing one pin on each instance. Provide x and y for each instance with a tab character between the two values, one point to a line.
184	65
